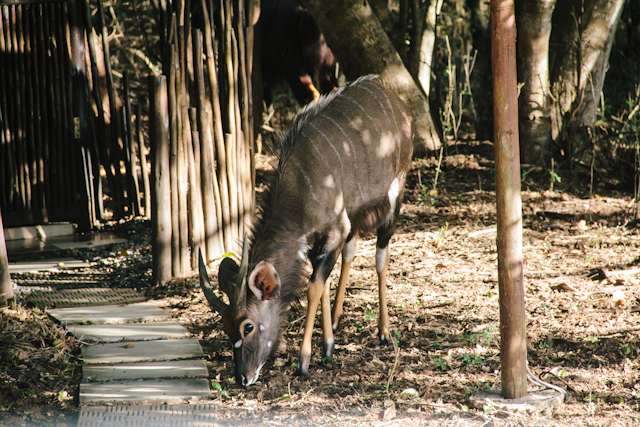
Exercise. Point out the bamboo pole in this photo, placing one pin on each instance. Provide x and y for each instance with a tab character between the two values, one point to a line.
210	190
6	285
231	137
30	125
81	117
218	135
184	137
55	107
175	205
161	201
195	198
132	160
101	130
116	155
143	164
38	104
6	161
70	162
23	177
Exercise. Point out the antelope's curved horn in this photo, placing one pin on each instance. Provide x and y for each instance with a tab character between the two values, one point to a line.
240	298
216	303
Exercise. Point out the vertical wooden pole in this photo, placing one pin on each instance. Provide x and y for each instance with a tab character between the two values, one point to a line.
218	135
130	149
210	190
6	286
81	118
143	164
161	185
513	350
113	113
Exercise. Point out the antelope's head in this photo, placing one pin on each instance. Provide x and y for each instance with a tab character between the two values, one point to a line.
252	319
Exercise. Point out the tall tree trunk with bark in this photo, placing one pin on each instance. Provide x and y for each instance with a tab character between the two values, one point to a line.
534	30
564	54
583	32
362	47
481	77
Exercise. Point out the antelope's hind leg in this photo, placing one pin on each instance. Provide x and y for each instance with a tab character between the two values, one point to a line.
382	265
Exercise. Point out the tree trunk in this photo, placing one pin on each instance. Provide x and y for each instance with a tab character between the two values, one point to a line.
427	44
362	47
481	77
534	30
583	34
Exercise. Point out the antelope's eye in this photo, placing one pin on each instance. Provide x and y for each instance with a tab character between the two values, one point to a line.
248	328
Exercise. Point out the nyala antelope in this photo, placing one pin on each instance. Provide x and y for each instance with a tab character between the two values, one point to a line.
341	173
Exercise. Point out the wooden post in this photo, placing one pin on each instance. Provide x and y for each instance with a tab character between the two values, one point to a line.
161	201
130	151
81	118
218	135
6	286
513	350
210	190
113	112
195	199
143	164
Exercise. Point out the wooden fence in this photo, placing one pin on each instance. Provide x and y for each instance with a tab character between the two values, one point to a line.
56	134
201	131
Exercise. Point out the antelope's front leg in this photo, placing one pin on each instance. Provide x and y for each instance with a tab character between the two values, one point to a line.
314	293
324	258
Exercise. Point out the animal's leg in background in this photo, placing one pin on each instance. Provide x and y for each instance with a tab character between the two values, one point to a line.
303	88
347	258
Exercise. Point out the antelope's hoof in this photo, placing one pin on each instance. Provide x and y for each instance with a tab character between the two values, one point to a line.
303	365
328	351
335	324
384	339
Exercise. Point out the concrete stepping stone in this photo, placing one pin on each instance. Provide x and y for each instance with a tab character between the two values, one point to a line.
199	414
143	391
139	312
145	370
47	265
142	351
129	332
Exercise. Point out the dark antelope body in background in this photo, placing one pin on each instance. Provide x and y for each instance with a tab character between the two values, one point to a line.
341	174
294	50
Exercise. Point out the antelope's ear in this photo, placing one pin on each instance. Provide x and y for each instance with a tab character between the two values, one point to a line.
227	276
264	281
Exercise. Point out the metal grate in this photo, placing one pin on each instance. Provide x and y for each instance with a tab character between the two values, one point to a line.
84	297
62	279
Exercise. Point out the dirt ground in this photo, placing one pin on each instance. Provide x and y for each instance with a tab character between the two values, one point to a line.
581	274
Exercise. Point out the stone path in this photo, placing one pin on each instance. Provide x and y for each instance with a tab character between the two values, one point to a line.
140	367
134	353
